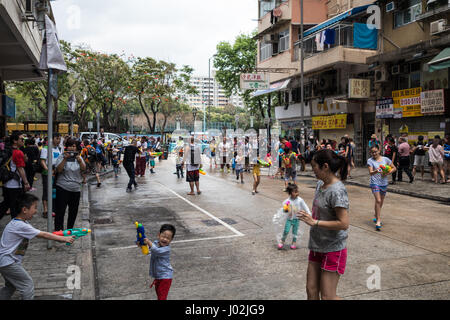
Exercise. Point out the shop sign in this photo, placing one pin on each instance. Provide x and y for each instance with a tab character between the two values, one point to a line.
409	101
432	102
358	88
9	106
250	81
328	106
337	121
385	108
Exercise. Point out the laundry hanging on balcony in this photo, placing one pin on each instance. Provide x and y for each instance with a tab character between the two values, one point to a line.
364	37
329	36
320	39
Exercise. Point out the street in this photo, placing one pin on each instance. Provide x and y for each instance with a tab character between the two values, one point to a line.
225	246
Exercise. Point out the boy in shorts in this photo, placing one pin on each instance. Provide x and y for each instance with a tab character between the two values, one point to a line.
13	245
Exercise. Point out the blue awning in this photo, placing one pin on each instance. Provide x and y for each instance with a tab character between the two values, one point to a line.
336	19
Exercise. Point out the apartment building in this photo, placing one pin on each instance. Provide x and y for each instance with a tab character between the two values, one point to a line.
210	92
411	69
21	22
336	42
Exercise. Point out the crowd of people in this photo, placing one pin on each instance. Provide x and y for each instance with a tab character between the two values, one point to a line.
73	160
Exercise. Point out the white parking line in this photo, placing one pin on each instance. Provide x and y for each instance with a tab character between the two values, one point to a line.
236	232
181	241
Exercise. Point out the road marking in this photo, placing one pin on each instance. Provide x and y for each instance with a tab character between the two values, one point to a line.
182	241
236	232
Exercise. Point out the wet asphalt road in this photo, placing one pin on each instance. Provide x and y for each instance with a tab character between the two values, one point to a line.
225	246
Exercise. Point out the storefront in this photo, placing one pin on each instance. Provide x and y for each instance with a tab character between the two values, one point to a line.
414	112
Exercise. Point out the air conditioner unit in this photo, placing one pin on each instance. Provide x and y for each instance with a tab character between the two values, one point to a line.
274	38
381	74
390	6
438	26
395	69
325	82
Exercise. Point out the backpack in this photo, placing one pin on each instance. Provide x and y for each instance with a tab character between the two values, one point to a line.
287	162
91	153
5	168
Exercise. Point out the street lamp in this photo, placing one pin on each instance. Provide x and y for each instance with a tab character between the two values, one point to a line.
132	123
236	118
194	113
178	119
209	86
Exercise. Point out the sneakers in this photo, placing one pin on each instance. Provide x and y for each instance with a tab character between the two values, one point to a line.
293	247
242	182
280	246
128	190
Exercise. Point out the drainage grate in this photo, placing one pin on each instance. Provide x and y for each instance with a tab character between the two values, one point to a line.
213	223
107	220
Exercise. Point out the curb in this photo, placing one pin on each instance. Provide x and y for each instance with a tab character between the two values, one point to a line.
85	259
398	191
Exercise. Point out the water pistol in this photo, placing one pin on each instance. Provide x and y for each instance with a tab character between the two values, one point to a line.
140	236
263	163
78	232
385	168
202	172
286	206
156	154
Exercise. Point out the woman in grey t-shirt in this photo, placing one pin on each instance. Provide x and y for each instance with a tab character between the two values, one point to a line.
329	223
69	166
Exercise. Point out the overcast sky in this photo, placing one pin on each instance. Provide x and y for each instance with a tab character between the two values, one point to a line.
185	32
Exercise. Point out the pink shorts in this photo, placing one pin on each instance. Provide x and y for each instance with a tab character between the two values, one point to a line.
330	261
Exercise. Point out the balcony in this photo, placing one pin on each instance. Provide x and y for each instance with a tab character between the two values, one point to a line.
435	10
343	51
20	43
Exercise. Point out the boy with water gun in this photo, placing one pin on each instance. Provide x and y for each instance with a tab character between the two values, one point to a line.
160	268
13	246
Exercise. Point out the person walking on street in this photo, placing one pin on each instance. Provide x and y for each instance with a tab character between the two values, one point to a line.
69	166
32	164
193	160
128	163
329	226
378	181
391	152
419	156
404	160
436	153
16	187
447	157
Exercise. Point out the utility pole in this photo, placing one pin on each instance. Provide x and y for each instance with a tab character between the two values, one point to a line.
302	90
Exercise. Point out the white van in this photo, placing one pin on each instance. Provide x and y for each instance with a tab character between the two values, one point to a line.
108	136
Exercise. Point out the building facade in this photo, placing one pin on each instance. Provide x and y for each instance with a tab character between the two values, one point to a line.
210	93
412	74
21	25
338	100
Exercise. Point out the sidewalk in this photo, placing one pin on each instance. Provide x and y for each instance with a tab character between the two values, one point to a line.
63	272
425	189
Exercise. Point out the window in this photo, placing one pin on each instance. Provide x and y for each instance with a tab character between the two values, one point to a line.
265	51
267	6
409	14
284	40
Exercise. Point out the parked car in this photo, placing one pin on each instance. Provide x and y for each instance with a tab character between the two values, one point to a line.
108	136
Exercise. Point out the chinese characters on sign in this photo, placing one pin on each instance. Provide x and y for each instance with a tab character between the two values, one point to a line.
250	81
358	88
432	101
337	121
385	108
409	101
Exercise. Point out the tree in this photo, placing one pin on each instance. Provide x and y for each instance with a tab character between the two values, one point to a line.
154	83
231	61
